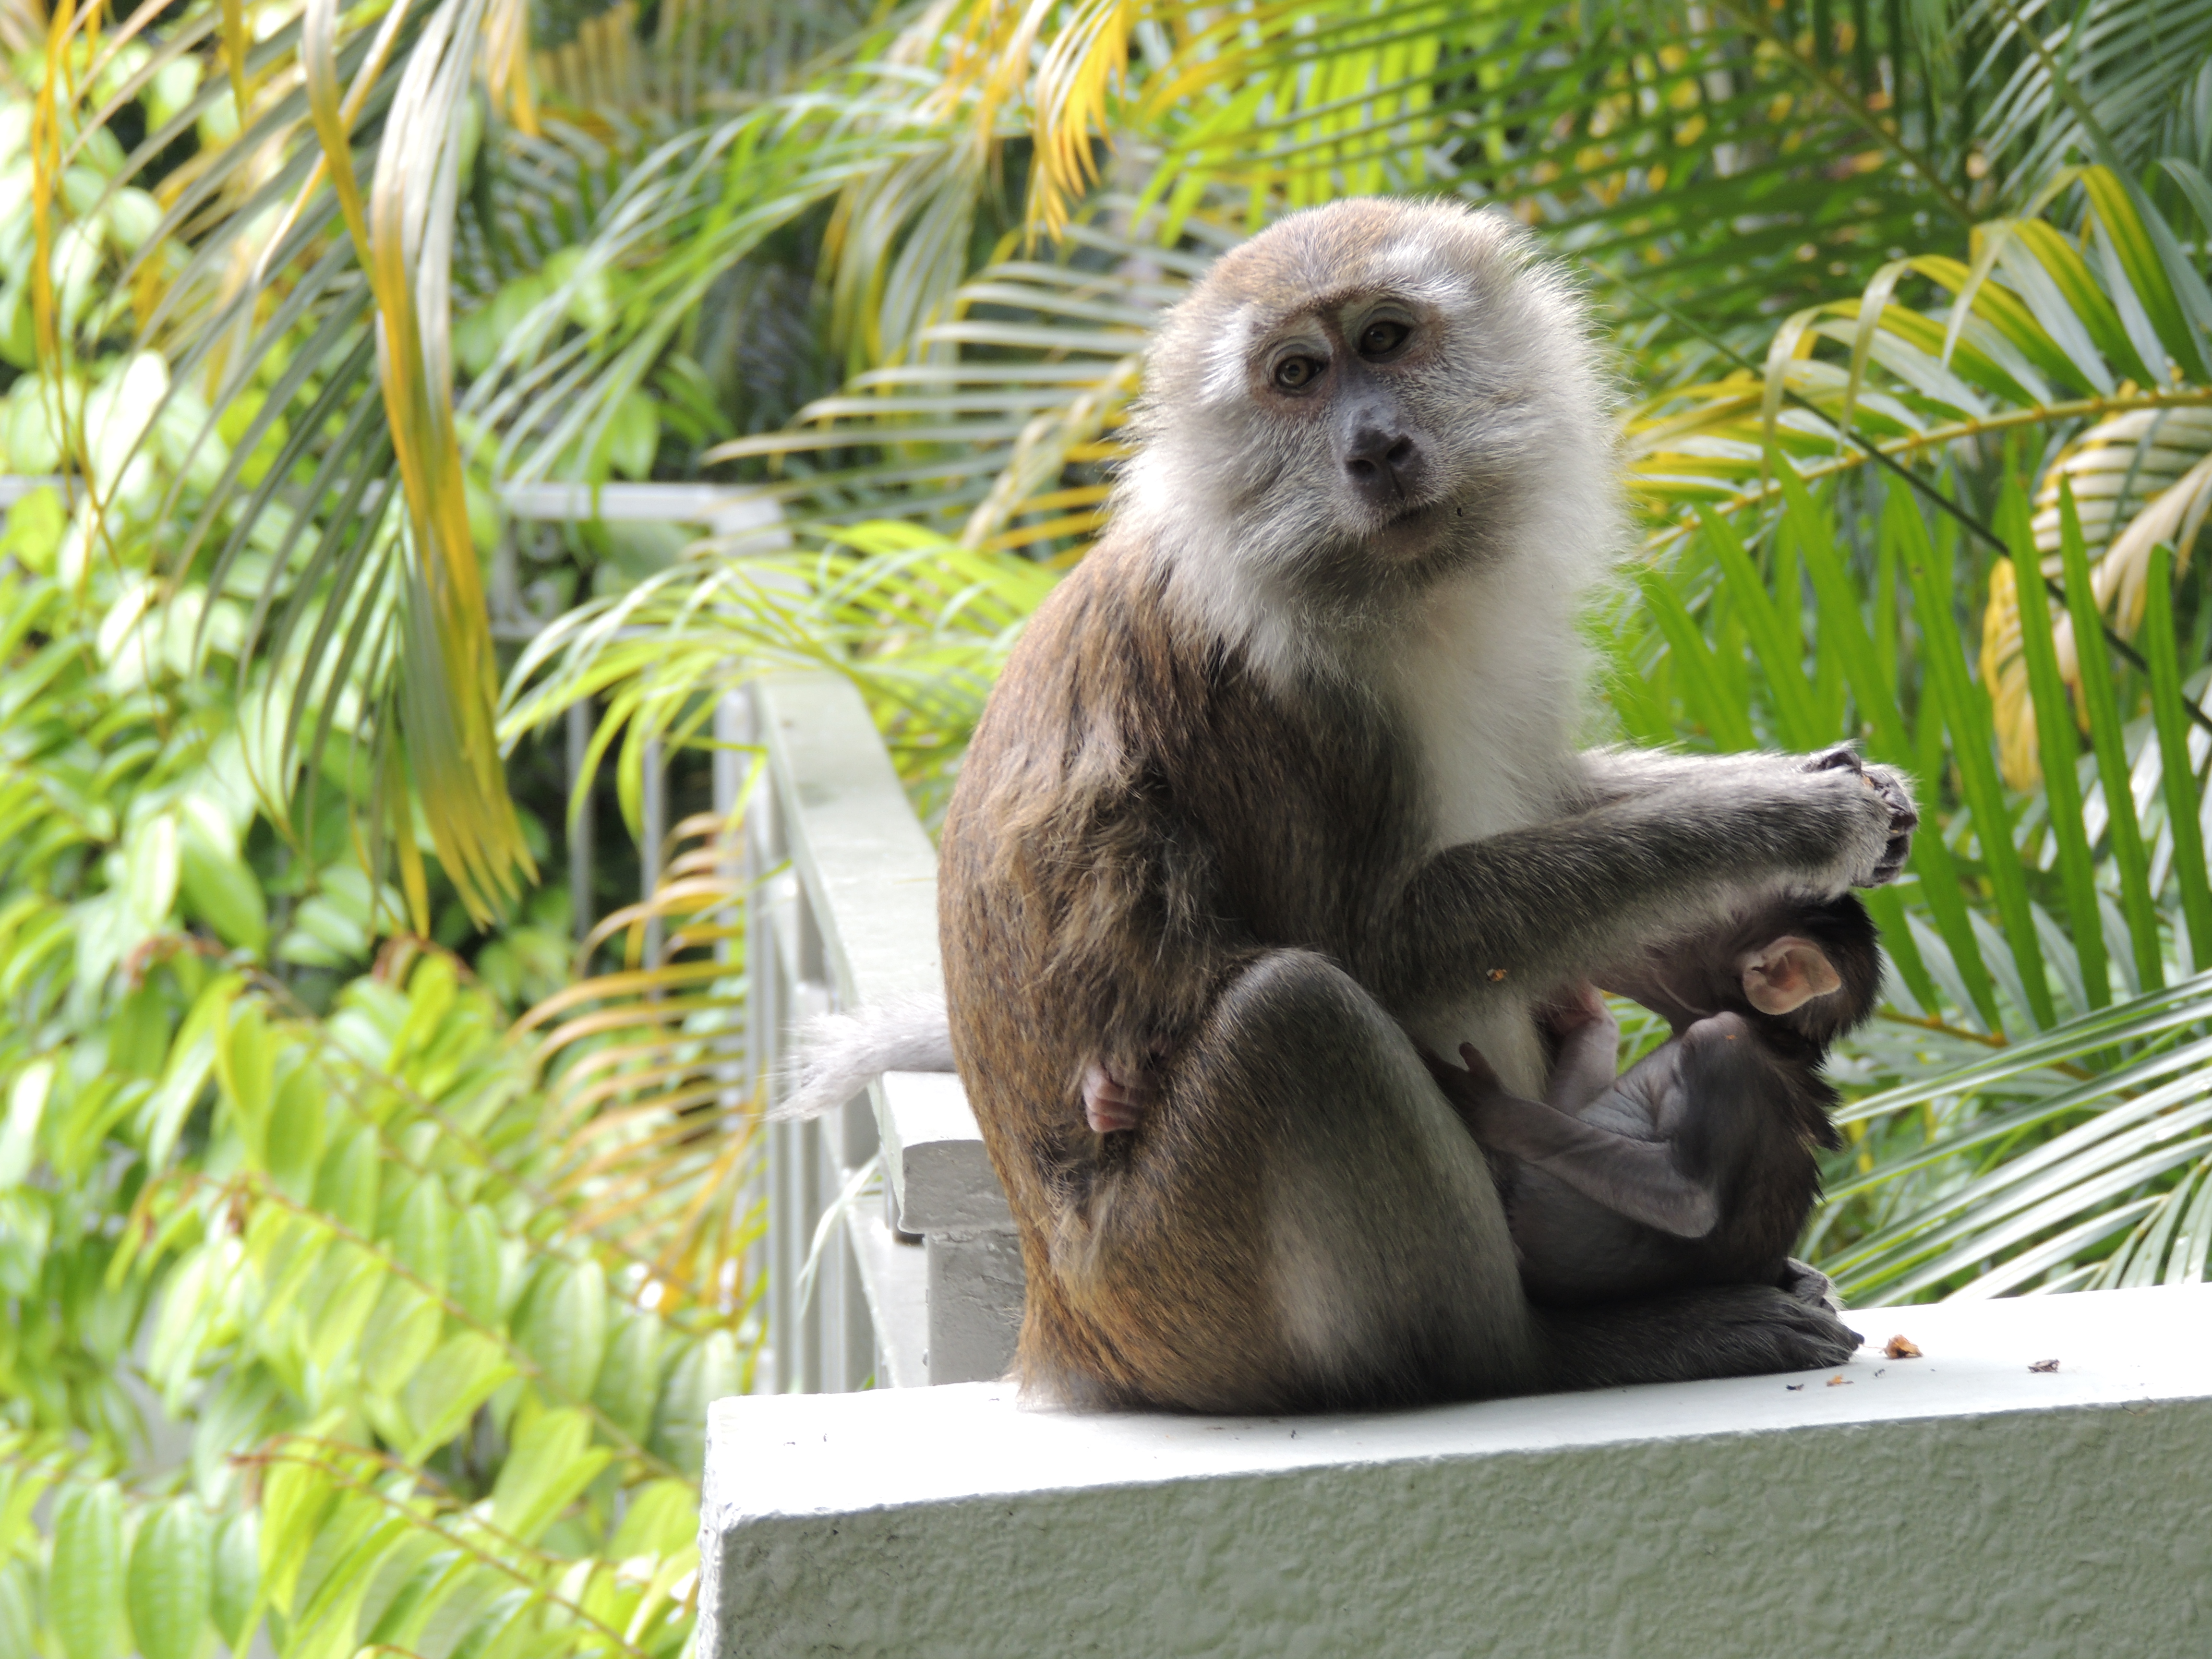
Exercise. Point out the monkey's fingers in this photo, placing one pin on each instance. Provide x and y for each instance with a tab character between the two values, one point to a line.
1485	1077
1109	1105
1476	1083
1904	818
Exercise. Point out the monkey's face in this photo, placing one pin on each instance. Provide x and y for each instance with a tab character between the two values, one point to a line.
1370	396
1343	386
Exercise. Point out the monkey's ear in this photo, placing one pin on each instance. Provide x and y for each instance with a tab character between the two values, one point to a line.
1787	974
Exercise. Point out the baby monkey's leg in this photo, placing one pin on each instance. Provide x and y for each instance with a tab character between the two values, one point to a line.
1589	1049
1635	1178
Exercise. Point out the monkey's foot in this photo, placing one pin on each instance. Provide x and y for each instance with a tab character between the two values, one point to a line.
1810	1285
1111	1103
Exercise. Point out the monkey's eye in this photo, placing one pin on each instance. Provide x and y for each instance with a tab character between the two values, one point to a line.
1382	336
1296	374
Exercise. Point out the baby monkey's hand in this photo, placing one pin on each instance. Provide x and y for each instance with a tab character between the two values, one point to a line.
1476	1092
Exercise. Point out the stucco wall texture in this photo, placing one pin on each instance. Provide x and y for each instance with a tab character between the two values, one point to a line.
1958	1504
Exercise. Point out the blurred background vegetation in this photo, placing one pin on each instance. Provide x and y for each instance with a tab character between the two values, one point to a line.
367	1255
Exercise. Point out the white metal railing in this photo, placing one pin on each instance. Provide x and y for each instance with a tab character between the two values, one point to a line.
926	1285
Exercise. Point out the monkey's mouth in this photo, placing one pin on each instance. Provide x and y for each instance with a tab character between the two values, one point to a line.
1412	528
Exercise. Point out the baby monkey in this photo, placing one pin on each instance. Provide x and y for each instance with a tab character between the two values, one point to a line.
1697	1166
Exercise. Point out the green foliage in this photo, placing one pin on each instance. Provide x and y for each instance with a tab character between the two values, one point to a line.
271	1181
452	1422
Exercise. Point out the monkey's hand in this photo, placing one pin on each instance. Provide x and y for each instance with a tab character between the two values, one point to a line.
1112	1103
1895	793
1476	1093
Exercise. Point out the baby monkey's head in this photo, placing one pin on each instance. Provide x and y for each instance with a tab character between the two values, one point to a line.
1373	395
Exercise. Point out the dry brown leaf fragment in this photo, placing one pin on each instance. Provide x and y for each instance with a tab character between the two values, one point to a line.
2044	1365
1900	1347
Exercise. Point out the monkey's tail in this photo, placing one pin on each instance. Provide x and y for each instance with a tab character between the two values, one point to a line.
840	1054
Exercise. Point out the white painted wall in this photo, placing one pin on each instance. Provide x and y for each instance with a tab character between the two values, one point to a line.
1957	1505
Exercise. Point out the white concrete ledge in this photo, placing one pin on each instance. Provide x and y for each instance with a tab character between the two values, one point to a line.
1958	1504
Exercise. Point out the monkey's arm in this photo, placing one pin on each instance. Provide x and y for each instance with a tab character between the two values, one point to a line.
1548	903
1635	1178
1612	775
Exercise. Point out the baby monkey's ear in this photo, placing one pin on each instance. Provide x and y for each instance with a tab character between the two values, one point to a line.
1783	975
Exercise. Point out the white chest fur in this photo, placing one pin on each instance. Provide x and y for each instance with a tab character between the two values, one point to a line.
1486	685
1485	681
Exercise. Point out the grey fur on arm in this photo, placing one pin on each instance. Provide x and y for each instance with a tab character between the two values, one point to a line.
1533	904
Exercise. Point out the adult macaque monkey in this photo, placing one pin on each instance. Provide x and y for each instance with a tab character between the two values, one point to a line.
1277	788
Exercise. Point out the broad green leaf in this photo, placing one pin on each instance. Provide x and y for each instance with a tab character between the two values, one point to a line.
363	1543
356	1281
708	1371
236	1585
296	1499
447	1389
663	1516
565	1330
19	1134
292	1147
347	1181
192	1056
219	889
171	1580
246	1066
502	1613
398	1337
85	1584
476	1272
151	867
433	1588
420	1238
551	1462
18	1615
629	1379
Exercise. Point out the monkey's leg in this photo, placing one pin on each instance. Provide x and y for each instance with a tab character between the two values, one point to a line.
1589	1050
1299	1222
1631	1177
1303	1221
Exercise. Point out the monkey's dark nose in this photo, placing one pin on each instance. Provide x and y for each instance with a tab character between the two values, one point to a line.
1384	463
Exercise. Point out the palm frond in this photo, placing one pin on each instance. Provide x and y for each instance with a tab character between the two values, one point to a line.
2099	82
